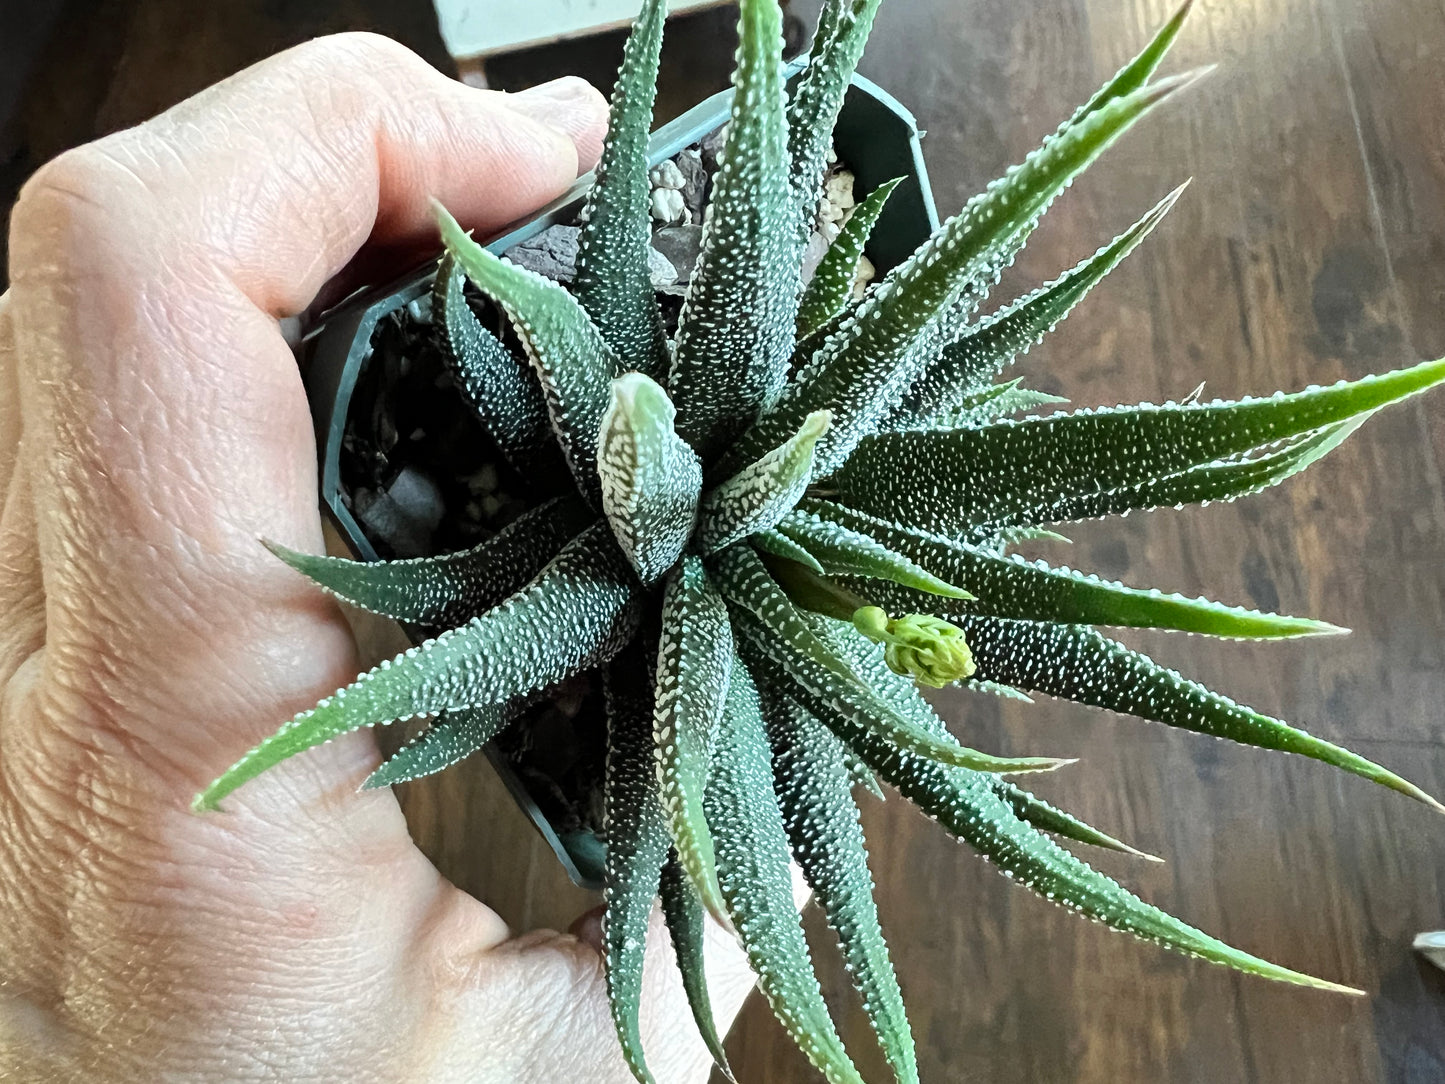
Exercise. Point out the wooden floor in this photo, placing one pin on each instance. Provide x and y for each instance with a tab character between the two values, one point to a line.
1310	247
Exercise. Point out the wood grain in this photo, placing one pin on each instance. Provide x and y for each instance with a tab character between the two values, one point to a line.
1311	246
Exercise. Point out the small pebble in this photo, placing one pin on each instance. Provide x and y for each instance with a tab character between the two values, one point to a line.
667	206
406	515
681	245
694	192
813	255
866	274
667	175
551	254
660	269
712	147
838	199
840	189
484	480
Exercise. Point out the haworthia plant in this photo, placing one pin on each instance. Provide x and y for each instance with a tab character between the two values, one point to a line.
792	512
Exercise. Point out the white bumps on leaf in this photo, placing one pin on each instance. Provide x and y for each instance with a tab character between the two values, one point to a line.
762	493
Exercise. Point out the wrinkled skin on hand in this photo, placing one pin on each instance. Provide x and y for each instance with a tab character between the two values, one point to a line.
152	427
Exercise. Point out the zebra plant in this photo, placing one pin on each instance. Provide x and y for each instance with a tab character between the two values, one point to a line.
792	513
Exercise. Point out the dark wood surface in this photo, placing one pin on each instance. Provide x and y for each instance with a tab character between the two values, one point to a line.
1310	247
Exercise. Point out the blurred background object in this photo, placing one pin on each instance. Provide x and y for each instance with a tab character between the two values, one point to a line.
1431	945
1310	247
476	30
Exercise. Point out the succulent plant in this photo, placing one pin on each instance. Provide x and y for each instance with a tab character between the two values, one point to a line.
792	513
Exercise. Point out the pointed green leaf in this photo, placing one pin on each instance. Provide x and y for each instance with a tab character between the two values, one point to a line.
1127	80
986	350
832	284
830	12
1009	537
832	691
975	814
968	806
442	592
636	845
612	281
1003	692
500	389
735	334
1014	473
861	774
991	404
846	550
694	661
1078	663
573	363
843	32
1013	587
454	736
579	611
863	370
650	478
1219	481
1037	812
686	924
809	591
814	789
780	545
760	494
1136	73
753	870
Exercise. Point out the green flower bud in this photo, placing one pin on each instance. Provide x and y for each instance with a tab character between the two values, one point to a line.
927	649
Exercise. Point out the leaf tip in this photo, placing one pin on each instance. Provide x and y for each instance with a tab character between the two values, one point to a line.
1165	205
948	590
1431	801
637	394
285	554
1163	88
1024	765
816	424
444	220
1403	786
1338	988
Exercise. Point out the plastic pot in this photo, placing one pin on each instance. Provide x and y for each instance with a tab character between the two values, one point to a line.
876	137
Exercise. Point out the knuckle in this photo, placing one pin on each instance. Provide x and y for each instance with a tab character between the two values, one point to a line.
358	52
73	195
72	181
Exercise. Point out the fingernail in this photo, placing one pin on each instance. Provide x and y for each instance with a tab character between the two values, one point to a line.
570	89
569	105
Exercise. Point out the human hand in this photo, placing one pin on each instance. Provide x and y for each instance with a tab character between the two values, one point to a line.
152	427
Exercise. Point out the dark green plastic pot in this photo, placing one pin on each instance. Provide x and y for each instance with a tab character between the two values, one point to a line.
877	138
